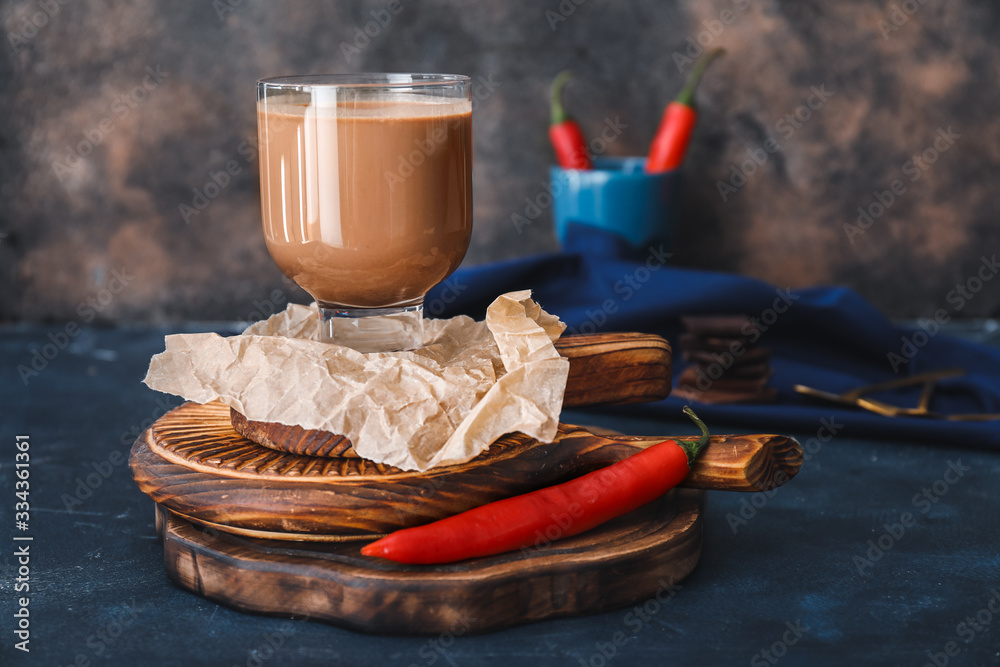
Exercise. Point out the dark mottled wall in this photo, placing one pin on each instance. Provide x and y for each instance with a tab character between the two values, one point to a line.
114	114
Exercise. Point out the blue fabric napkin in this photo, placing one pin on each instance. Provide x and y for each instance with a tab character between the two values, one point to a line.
828	338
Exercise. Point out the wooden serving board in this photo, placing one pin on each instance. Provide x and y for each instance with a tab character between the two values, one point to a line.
631	560
275	529
193	463
615	368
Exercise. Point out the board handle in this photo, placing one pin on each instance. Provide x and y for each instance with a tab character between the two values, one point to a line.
747	463
615	368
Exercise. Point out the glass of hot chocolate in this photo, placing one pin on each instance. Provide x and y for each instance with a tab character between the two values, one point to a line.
366	192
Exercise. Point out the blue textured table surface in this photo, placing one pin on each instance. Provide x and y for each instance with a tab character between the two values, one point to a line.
879	552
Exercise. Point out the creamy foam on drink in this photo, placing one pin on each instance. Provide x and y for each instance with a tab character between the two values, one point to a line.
367	203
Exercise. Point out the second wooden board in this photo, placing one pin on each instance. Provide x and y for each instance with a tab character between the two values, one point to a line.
636	559
194	463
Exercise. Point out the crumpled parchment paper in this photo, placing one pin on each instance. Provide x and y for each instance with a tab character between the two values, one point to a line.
442	404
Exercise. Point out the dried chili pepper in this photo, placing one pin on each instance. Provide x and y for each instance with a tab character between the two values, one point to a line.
564	132
671	141
550	513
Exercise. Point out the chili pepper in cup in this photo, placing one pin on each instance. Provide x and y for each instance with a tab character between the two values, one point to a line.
564	132
567	509
679	118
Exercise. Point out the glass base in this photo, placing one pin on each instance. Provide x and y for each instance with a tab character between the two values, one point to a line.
373	329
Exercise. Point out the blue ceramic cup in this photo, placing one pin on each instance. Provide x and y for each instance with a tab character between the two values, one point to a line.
617	196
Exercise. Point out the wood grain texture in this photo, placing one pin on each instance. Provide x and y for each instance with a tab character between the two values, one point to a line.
192	462
604	369
630	560
615	368
747	463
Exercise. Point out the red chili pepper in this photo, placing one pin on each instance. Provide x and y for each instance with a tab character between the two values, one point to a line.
562	510
671	140
564	133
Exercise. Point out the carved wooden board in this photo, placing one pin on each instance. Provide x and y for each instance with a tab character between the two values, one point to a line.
630	560
615	368
192	462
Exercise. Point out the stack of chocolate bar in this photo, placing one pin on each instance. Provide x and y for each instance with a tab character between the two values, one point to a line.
728	366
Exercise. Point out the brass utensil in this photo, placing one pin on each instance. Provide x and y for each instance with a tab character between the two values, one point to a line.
929	381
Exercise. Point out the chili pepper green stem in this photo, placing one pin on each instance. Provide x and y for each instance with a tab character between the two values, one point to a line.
686	96
559	114
693	448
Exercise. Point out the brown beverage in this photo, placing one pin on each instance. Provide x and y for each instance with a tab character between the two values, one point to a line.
367	203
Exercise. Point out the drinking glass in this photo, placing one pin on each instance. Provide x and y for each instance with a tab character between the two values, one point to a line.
366	193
